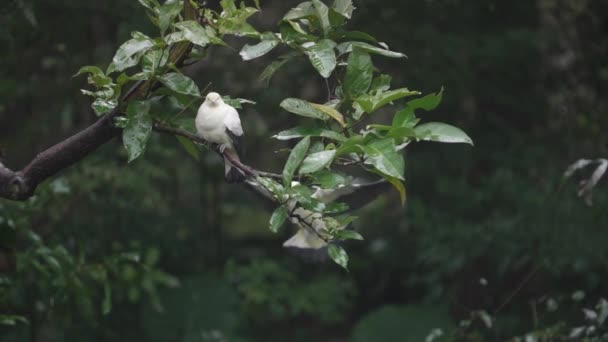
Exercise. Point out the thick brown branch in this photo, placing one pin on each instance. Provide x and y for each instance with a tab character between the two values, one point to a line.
22	184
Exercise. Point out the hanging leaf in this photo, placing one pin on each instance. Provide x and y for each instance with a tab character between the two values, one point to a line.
192	31
254	51
277	219
441	132
180	83
293	161
359	73
344	7
317	161
167	12
338	255
322	12
303	108
102	106
347	234
129	53
331	112
267	74
138	129
189	147
322	56
383	156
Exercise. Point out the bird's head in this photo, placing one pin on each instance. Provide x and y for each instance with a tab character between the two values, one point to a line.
214	99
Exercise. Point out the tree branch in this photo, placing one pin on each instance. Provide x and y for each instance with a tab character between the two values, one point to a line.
228	154
21	185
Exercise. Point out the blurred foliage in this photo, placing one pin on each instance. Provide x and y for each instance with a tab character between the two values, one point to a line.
183	256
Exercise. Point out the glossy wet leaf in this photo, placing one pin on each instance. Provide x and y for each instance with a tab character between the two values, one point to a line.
338	255
304	9
303	108
129	53
249	52
180	83
298	132
323	57
295	158
344	7
317	161
441	132
278	219
359	73
331	112
322	12
371	103
137	132
167	12
383	156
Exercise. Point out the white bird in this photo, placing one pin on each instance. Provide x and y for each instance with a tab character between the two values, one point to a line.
219	123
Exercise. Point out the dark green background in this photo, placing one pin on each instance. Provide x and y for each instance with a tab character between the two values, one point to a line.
527	80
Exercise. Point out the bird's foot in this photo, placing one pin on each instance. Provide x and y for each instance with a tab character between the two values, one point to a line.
223	148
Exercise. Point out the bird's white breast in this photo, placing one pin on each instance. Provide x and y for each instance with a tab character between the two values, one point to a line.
210	124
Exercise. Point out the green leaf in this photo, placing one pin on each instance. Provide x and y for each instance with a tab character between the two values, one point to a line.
401	132
149	4
428	102
233	20
12	319
254	51
383	156
398	184
333	113
317	161
189	147
344	7
236	103
277	219
102	106
347	234
405	118
329	180
359	73
271	69
273	186
354	35
322	56
139	127
441	132
304	9
371	103
322	12
180	83
298	132
96	76
106	305
303	108
152	60
293	161
338	255
381	83
168	11
349	46
129	53
193	32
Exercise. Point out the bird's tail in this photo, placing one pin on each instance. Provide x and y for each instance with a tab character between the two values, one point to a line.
233	175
